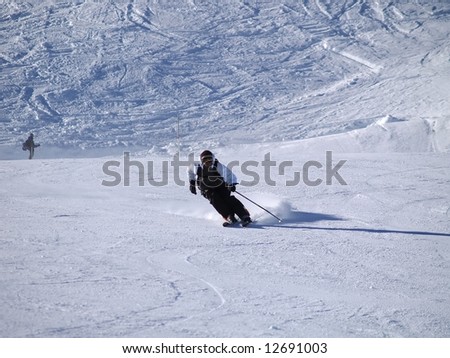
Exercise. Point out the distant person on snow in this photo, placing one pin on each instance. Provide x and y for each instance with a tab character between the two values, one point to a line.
216	183
30	145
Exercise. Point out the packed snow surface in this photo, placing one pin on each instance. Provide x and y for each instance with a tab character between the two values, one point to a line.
335	116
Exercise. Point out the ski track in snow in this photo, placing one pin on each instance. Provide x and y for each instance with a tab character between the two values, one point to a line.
323	10
184	267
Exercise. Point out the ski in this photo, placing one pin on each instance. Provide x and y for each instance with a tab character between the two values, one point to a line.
246	223
237	224
230	224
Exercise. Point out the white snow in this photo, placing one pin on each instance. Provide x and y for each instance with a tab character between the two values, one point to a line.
367	81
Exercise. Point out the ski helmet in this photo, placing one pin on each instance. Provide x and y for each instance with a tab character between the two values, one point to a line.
205	155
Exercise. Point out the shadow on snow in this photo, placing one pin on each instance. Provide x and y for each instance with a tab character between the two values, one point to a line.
299	217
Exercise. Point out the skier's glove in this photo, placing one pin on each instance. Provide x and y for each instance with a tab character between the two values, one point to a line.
231	188
192	187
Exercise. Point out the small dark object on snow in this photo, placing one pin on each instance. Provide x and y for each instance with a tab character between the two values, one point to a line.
30	145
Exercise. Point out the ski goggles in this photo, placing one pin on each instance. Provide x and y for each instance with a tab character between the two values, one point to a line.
207	159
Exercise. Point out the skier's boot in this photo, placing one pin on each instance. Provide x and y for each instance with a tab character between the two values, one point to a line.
245	221
230	220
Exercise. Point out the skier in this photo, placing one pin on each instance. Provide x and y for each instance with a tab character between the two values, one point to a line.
216	183
30	145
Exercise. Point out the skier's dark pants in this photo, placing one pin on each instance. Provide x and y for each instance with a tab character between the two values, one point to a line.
29	148
227	204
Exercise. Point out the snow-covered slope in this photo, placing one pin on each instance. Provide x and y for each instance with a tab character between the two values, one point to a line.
365	81
127	73
370	259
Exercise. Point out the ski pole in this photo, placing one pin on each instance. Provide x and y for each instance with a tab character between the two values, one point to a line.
279	220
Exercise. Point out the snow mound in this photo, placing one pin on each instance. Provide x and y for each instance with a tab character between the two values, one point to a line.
386	135
389	119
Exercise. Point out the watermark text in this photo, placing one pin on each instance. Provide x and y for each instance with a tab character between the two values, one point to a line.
312	173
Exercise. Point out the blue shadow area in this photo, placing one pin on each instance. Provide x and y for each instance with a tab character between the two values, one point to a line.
300	217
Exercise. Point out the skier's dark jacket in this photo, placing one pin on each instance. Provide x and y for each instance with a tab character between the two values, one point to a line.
214	178
29	143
